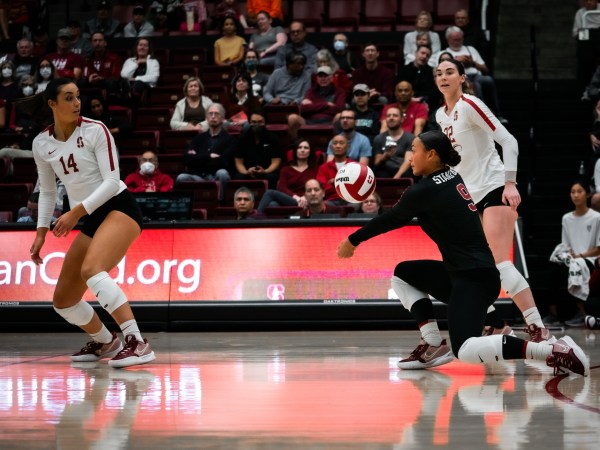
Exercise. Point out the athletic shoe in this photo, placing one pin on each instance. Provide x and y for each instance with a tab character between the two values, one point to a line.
568	355
537	334
551	321
506	329
592	323
577	321
95	351
134	352
425	356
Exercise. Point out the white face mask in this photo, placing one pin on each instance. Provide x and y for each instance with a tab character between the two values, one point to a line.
7	72
27	91
147	168
45	72
339	45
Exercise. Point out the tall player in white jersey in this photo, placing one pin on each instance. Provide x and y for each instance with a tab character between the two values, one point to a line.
82	153
469	123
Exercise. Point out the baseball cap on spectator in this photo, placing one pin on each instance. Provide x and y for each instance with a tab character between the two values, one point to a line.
139	10
324	69
103	5
361	87
64	33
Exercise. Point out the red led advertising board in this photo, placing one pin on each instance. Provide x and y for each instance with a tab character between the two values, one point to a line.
221	264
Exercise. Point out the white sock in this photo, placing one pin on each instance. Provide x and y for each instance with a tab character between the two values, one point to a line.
537	350
103	336
131	327
431	334
532	315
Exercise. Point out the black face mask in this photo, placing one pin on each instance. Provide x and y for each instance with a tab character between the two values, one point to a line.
258	129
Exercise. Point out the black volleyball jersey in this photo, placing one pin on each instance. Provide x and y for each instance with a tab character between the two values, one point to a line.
446	213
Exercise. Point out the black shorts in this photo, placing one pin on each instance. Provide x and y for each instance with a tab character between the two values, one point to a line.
493	198
123	202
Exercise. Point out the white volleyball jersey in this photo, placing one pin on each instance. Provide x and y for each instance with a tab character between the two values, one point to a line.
581	233
87	164
474	128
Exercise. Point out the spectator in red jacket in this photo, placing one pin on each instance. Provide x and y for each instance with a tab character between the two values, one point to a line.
327	172
103	68
148	178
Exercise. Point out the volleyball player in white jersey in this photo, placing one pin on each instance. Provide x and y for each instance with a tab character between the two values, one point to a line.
469	123
82	153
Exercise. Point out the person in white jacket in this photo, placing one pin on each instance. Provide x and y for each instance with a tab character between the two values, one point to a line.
142	70
190	111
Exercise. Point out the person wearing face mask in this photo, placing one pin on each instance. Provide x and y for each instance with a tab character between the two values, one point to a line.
250	66
347	60
44	74
148	178
9	89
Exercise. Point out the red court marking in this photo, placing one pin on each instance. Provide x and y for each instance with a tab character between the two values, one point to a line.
552	389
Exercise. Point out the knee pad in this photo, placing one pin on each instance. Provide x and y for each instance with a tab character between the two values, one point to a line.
109	294
407	294
511	279
79	314
486	349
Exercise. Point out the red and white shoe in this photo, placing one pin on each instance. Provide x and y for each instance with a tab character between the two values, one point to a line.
134	353
490	331
540	335
95	351
426	356
566	354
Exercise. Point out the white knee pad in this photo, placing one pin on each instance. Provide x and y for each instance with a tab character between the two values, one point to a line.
79	314
407	294
511	279
485	349
109	294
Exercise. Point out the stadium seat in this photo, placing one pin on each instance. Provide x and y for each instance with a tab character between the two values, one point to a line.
14	195
224	213
153	118
199	214
123	13
281	131
127	164
206	194
4	167
309	12
162	55
275	114
171	163
188	57
24	170
176	75
380	15
6	216
216	74
282	212
391	189
258	188
444	13
165	96
410	9
7	139
137	142
216	92
176	141
390	52
341	15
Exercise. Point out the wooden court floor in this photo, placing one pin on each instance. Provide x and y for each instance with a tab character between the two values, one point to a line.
288	390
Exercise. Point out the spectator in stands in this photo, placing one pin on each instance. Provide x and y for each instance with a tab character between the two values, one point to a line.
422	39
320	104
415	113
228	8
158	17
472	34
271	7
347	60
210	155
595	141
141	71
357	145
259	79
23	122
292	179
419	74
475	68
229	49
340	78
9	87
19	17
41	40
103	69
315	201
288	85
243	203
593	21
172	9
258	153
190	111
372	205
4	34
67	63
580	243
138	26
378	77
241	102
339	146
424	22
367	119
592	90
393	148
2	114
45	73
297	43
29	213
267	39
24	61
148	178
80	44
95	108
104	22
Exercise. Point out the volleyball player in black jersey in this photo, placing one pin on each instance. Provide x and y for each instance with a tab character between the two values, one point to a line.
466	279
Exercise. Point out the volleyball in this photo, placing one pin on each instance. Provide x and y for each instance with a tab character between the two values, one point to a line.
354	182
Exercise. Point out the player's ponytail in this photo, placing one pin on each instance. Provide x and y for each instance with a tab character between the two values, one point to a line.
438	141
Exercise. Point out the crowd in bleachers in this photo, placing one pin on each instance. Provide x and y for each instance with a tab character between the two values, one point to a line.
203	116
